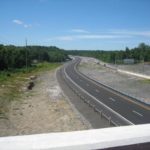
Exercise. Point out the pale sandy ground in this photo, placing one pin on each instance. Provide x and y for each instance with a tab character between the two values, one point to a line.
129	84
41	110
138	68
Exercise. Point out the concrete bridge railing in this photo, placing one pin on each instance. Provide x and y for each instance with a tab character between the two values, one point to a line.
125	137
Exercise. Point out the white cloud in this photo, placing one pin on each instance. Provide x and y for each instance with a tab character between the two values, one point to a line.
27	25
17	21
79	31
84	37
132	33
98	36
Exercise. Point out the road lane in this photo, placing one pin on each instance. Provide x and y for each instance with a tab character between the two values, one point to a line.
119	104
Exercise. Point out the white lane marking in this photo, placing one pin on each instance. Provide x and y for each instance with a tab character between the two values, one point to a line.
120	116
97	91
95	82
137	113
112	99
87	84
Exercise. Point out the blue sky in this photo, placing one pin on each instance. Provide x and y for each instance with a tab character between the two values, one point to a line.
75	24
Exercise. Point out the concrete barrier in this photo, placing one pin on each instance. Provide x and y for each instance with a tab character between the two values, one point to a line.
137	136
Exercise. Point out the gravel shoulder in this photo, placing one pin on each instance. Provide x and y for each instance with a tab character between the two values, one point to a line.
129	84
41	110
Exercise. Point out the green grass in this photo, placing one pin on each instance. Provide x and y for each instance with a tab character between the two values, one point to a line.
46	66
146	81
13	80
7	75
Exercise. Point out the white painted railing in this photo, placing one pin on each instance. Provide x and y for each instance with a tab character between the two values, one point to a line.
87	139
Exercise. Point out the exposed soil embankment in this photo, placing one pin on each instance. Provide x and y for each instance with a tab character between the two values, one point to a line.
40	110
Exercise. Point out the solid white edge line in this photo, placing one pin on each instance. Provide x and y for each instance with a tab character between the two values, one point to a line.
86	122
98	100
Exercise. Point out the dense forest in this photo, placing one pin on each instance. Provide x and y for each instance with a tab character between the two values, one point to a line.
18	57
139	54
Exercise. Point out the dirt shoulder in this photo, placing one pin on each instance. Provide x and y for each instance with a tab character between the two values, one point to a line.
41	110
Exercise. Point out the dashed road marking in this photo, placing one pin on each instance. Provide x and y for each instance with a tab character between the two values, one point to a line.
137	113
83	90
112	99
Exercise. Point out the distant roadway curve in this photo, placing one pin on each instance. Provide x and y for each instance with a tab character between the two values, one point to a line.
121	109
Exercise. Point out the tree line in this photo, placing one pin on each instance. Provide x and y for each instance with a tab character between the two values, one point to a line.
139	54
18	57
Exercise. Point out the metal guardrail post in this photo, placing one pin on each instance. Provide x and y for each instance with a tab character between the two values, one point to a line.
100	112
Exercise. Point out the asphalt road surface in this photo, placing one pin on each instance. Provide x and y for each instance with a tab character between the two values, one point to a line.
121	109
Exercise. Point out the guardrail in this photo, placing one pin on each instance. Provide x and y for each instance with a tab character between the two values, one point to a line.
88	102
135	137
102	112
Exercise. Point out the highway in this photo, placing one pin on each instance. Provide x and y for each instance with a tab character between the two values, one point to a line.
121	109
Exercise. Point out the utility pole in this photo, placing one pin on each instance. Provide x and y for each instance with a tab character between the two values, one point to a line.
143	65
26	54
